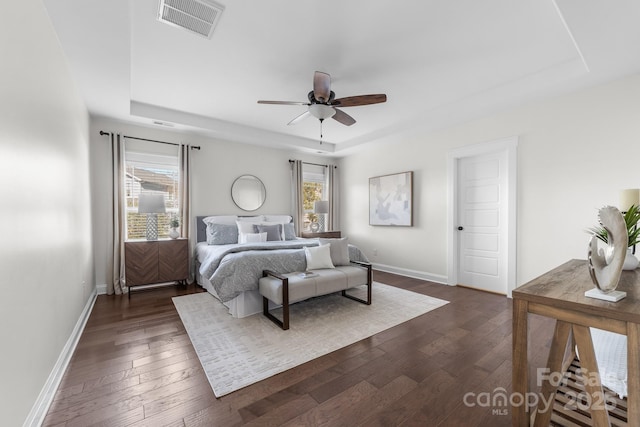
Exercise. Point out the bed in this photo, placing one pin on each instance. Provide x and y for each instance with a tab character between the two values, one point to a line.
230	269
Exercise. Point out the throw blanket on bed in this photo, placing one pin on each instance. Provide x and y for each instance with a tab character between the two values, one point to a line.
233	269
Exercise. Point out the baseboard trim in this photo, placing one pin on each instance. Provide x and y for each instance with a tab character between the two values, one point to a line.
101	289
423	275
42	404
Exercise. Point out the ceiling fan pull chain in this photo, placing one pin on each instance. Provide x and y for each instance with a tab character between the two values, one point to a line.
321	120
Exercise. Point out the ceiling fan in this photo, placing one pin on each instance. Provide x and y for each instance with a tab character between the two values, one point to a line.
322	103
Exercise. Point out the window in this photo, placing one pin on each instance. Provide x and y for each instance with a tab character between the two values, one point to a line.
155	174
314	188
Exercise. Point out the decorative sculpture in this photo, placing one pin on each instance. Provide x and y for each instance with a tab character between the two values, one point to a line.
605	266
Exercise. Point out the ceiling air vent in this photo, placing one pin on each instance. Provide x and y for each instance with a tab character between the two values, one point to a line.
196	16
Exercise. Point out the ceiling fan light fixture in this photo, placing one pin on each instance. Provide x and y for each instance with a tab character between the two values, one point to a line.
321	111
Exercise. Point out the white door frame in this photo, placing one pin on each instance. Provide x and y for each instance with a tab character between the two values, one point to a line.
509	145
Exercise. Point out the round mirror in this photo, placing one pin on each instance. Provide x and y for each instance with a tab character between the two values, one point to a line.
248	192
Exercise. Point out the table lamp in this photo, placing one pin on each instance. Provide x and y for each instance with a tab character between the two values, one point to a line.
151	204
628	198
321	207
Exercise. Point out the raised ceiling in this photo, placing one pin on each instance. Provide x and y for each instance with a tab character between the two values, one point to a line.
439	62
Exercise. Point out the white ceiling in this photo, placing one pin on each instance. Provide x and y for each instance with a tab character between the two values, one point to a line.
439	62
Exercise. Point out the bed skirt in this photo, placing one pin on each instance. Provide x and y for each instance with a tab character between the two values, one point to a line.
244	305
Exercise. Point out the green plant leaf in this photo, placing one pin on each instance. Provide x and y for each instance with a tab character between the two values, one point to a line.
631	219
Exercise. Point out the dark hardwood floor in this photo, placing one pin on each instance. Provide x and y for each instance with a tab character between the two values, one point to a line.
135	365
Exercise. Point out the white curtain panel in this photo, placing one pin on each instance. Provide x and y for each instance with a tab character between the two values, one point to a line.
118	284
334	198
186	230
297	211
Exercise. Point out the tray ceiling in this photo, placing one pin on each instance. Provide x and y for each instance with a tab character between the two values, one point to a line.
439	63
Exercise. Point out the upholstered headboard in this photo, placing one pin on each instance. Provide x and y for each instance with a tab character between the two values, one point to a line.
201	227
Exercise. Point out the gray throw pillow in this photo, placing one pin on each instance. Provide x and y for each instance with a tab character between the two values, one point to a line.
274	232
289	231
339	249
221	234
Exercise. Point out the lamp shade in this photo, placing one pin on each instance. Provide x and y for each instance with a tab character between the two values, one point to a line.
629	197
151	203
321	206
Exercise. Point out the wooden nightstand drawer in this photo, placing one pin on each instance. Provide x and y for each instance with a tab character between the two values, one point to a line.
173	260
141	262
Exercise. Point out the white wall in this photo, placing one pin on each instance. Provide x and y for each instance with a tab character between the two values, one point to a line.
215	166
576	152
46	259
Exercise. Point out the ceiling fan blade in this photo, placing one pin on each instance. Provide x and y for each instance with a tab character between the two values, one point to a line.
343	117
283	103
321	86
299	118
353	101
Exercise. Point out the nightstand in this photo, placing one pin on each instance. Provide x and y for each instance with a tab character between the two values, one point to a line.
156	261
323	234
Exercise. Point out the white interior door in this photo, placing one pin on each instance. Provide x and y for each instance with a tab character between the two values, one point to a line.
482	193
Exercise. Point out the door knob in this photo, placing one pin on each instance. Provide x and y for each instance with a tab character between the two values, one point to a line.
460	228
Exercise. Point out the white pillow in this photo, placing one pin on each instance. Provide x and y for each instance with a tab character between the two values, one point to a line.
318	257
253	237
221	219
245	227
254	219
278	218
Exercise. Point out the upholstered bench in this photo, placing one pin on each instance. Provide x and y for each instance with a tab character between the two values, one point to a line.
286	289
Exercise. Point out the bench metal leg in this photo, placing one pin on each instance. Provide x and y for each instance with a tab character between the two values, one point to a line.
369	283
367	301
284	323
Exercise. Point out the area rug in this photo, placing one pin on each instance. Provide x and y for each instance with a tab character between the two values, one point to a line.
238	352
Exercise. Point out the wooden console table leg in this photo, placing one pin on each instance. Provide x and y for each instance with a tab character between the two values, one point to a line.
542	416
588	362
520	373
633	374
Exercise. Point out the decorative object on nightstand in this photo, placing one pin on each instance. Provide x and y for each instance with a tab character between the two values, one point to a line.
321	208
151	204
174	223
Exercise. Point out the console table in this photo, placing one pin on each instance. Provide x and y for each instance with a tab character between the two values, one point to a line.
559	294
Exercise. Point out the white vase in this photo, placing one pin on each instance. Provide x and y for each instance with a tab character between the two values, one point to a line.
630	261
174	233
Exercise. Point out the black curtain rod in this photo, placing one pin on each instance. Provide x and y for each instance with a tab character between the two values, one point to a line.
193	147
314	164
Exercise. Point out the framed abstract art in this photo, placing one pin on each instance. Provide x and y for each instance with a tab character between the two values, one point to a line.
391	199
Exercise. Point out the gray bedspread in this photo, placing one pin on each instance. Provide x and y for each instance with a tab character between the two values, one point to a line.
233	269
